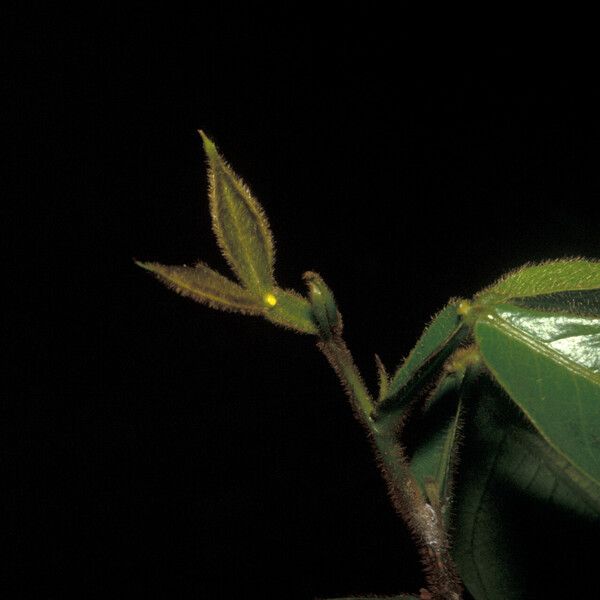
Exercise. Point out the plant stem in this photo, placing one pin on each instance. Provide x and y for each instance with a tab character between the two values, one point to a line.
424	522
339	357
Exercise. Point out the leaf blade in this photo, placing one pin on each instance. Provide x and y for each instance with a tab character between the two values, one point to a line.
240	224
204	285
433	459
550	365
442	336
512	500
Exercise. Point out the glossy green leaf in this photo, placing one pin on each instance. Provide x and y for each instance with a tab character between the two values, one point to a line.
543	278
204	285
549	363
523	524
422	366
240	225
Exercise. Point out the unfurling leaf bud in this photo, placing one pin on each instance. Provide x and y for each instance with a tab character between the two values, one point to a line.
323	305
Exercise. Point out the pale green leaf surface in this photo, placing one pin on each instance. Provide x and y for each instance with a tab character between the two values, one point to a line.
204	285
522	522
549	365
240	225
544	278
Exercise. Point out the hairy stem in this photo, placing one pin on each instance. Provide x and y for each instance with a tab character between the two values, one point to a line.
424	522
340	359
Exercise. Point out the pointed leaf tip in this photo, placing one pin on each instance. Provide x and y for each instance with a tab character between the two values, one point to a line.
147	266
383	377
209	146
240	225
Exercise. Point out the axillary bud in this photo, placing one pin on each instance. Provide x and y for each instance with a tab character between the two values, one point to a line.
324	308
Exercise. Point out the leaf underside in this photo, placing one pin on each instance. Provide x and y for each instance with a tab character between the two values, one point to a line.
523	526
434	452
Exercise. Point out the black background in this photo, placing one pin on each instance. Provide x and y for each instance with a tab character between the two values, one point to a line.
188	452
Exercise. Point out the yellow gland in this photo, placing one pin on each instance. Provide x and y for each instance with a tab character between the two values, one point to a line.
464	307
270	299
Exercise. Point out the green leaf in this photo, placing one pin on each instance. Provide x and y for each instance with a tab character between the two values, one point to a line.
544	278
422	366
383	378
434	457
575	302
549	363
201	283
206	286
523	525
240	225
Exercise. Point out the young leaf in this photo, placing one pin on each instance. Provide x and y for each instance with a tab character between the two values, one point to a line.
240	225
204	285
418	372
549	363
324	308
